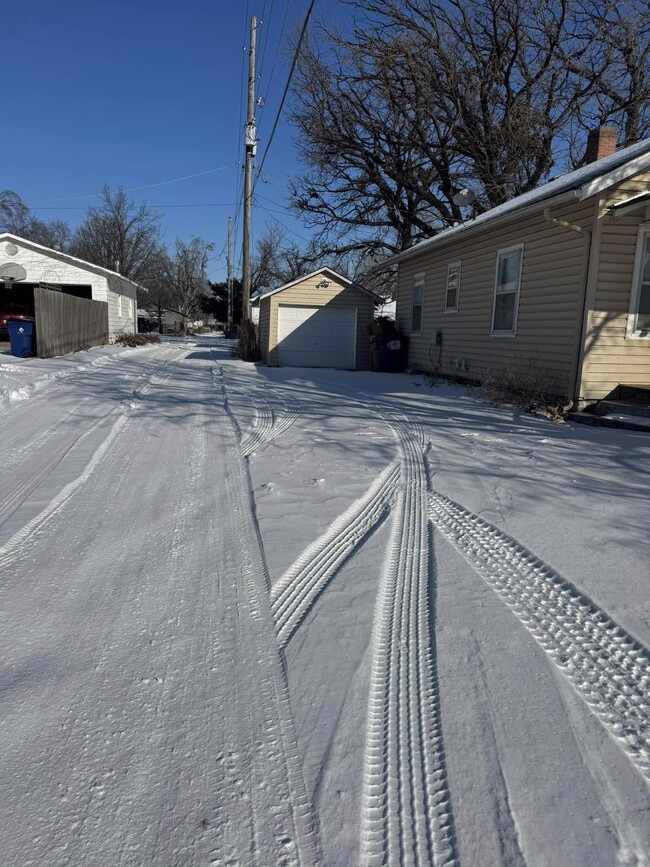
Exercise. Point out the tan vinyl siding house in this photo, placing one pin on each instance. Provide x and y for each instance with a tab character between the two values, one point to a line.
545	279
612	356
320	320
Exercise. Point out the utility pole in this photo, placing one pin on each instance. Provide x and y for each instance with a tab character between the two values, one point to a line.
251	147
229	279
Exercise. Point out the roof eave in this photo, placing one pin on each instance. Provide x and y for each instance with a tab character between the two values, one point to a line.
346	280
425	246
632	167
81	263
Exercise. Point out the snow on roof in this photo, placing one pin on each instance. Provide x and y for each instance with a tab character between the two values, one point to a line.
588	180
335	274
65	257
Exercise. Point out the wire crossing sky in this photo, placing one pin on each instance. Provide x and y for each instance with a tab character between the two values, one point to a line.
150	97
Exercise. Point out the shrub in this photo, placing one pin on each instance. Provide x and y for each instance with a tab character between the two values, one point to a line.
246	347
525	385
133	340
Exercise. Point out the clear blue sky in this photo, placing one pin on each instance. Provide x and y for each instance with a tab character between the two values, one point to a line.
142	93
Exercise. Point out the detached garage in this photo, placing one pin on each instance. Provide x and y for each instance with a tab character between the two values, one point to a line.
42	267
320	320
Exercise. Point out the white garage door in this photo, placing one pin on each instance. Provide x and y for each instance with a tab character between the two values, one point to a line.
317	336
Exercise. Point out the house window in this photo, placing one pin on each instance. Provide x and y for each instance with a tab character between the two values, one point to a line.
453	287
638	322
418	302
506	291
129	307
119	305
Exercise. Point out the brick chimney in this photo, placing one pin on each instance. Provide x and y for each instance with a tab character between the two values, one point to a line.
601	142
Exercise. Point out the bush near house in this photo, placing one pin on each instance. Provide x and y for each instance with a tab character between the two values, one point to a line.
247	347
133	340
526	386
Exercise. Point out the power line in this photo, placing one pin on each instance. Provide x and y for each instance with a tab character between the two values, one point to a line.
83	207
277	49
267	31
286	87
146	186
284	226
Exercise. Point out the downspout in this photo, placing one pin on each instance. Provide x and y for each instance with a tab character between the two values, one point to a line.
574	227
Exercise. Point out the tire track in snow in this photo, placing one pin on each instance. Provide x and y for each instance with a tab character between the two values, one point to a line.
62	497
297	590
262	428
27	445
269	427
267	422
299	837
113	727
607	667
49	380
17	496
65	493
406	806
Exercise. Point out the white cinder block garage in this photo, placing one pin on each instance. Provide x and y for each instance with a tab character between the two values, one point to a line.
319	320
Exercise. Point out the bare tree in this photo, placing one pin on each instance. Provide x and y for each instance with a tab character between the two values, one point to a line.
428	97
620	36
13	211
16	217
187	275
277	261
155	292
119	234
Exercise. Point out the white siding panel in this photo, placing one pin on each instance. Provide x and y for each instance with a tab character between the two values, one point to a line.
42	268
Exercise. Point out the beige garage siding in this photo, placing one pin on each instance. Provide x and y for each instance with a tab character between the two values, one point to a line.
612	358
308	293
548	320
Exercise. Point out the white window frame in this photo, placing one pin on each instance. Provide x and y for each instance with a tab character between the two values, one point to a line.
119	305
515	314
419	277
450	268
632	332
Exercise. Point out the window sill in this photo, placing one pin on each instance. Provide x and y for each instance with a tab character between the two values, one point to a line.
508	334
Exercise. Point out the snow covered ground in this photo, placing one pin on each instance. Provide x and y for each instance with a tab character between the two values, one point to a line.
299	617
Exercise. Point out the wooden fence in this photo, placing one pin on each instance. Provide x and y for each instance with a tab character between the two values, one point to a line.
65	323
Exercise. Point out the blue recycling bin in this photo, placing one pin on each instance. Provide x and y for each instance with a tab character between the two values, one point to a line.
22	337
392	352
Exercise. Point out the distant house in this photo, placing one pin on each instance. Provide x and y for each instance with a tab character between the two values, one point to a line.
255	307
72	276
163	319
319	320
558	277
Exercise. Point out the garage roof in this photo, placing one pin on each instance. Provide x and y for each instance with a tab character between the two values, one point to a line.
65	257
338	277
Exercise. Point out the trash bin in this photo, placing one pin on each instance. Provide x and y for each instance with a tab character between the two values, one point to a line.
22	337
392	353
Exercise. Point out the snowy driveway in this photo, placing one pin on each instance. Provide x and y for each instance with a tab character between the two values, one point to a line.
257	616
